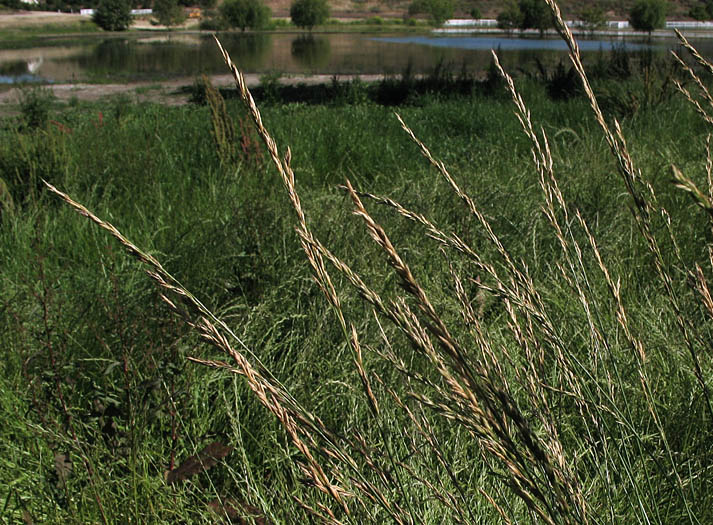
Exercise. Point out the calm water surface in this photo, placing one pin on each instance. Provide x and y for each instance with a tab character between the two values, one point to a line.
158	57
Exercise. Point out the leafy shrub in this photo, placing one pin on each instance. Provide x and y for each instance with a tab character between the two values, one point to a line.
510	18
278	23
11	4
438	10
647	15
169	12
309	13
113	15
245	14
213	24
35	106
270	86
699	12
535	15
592	18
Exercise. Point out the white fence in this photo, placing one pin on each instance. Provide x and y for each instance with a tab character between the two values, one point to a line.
134	12
469	22
611	24
689	25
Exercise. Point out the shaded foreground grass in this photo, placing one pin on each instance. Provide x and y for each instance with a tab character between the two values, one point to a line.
604	415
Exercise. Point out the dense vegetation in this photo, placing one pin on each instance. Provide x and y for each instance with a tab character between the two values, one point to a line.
244	14
168	12
309	13
596	354
647	15
113	15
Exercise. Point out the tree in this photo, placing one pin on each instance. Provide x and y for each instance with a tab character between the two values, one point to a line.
253	14
12	4
309	13
438	10
510	18
647	15
592	18
207	4
702	11
168	12
698	12
113	15
535	15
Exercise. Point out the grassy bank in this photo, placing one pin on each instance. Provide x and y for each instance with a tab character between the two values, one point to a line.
598	379
19	33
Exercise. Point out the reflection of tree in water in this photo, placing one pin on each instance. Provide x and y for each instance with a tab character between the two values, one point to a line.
14	68
120	57
248	51
310	51
109	55
126	58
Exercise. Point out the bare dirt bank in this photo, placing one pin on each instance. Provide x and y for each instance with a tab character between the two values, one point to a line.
168	92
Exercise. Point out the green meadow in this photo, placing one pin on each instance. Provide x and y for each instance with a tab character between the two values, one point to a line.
490	339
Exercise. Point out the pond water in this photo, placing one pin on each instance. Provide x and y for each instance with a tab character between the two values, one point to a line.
146	57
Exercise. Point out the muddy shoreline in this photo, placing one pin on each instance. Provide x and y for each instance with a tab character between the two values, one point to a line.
170	92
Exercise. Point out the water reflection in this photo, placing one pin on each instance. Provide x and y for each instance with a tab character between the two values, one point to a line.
249	51
161	56
166	57
34	64
518	44
20	71
310	51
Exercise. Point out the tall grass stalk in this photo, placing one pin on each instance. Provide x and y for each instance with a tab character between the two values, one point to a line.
564	416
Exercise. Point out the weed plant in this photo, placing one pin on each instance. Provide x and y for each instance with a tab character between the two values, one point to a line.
520	334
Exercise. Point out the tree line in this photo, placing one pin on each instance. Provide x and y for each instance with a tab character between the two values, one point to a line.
644	15
114	15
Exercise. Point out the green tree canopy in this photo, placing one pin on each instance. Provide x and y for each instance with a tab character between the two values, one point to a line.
438	10
510	18
593	17
535	15
252	14
647	15
309	13
207	4
168	12
12	4
113	15
699	12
